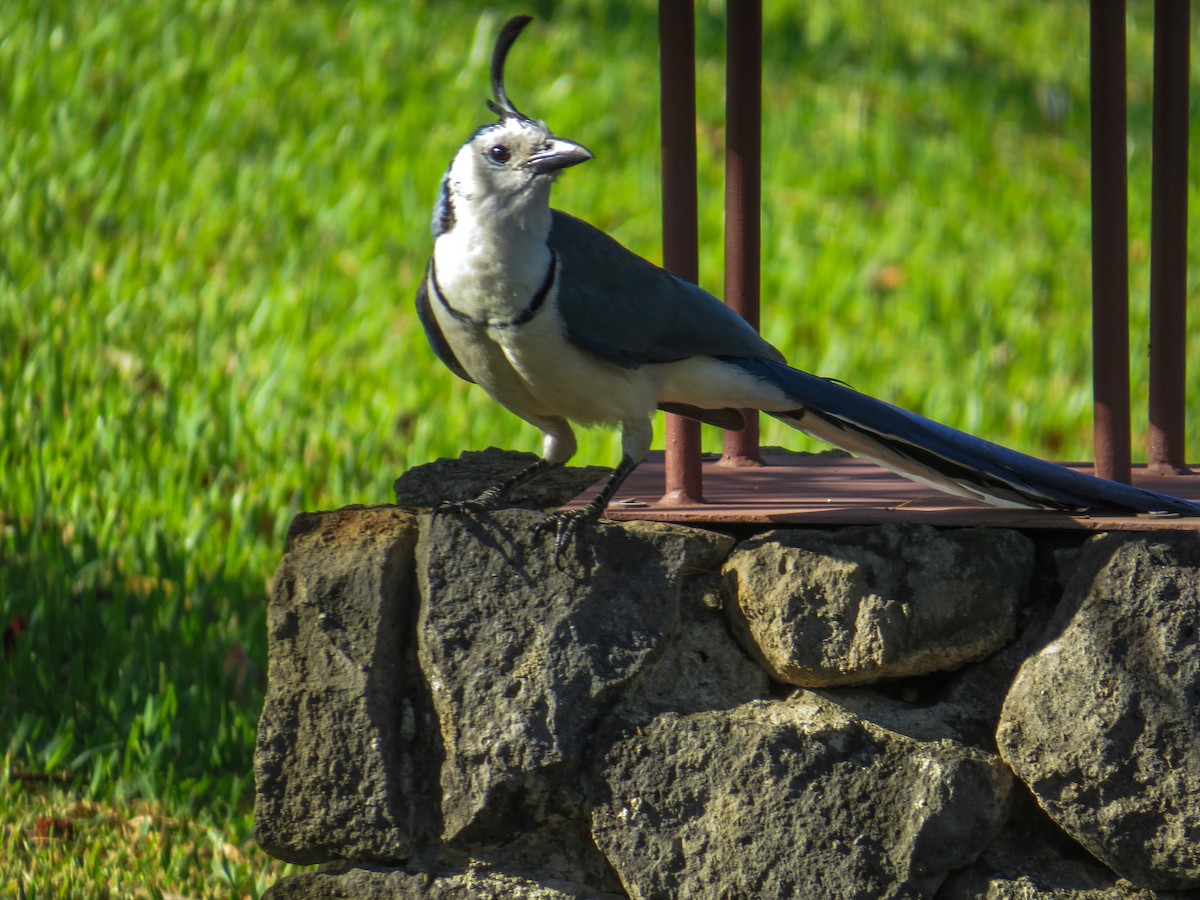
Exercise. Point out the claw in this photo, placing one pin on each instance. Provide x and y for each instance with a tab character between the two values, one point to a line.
490	499
565	526
566	523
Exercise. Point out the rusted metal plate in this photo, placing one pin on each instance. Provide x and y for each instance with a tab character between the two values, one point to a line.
826	489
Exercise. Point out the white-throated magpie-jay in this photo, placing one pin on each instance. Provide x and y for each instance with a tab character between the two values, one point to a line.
560	323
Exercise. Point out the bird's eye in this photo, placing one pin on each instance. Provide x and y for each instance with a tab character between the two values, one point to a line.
499	153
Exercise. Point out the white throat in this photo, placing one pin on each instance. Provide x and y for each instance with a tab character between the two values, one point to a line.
499	205
494	258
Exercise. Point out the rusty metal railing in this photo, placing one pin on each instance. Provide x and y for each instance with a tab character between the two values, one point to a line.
1168	238
677	61
1110	244
1110	250
743	190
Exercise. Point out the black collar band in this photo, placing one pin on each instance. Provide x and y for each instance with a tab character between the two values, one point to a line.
516	321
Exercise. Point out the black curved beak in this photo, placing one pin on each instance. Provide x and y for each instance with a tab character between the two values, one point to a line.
559	155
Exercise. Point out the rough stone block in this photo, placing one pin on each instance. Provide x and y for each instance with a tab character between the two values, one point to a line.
331	780
424	487
791	798
823	608
378	883
1033	859
1103	723
524	656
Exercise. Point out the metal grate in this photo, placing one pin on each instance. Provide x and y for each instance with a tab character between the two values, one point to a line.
682	472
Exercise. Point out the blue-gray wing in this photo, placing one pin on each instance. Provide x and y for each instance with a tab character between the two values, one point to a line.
433	331
631	312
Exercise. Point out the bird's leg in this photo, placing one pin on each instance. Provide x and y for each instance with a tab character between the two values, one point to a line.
491	498
568	522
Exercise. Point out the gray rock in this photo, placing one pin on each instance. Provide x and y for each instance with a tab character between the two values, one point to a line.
822	608
558	852
962	706
333	761
377	883
703	668
423	487
523	657
791	798
1025	887
1033	859
1104	723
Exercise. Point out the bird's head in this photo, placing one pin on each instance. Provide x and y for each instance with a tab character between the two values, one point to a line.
508	164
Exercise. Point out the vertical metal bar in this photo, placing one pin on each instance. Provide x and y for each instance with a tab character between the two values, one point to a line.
743	189
1168	238
677	64
1110	251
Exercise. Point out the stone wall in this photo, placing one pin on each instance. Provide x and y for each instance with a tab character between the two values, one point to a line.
672	712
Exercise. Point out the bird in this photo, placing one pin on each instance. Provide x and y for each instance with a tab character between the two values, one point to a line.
561	324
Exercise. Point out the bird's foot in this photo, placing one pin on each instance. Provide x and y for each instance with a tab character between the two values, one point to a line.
489	499
566	524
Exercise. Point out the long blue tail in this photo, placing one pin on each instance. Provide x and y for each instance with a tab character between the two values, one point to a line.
949	460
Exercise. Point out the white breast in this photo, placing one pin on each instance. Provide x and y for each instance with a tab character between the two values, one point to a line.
532	368
572	382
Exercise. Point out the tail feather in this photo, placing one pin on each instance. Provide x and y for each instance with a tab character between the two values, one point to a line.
941	457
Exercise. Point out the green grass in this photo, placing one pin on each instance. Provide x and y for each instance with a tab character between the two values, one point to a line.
59	844
212	220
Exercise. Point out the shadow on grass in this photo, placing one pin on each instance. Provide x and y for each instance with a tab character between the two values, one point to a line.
129	684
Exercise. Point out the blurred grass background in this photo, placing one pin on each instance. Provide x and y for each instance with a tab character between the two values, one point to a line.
213	216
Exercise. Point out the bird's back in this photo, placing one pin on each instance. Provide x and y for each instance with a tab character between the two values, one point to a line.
630	312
